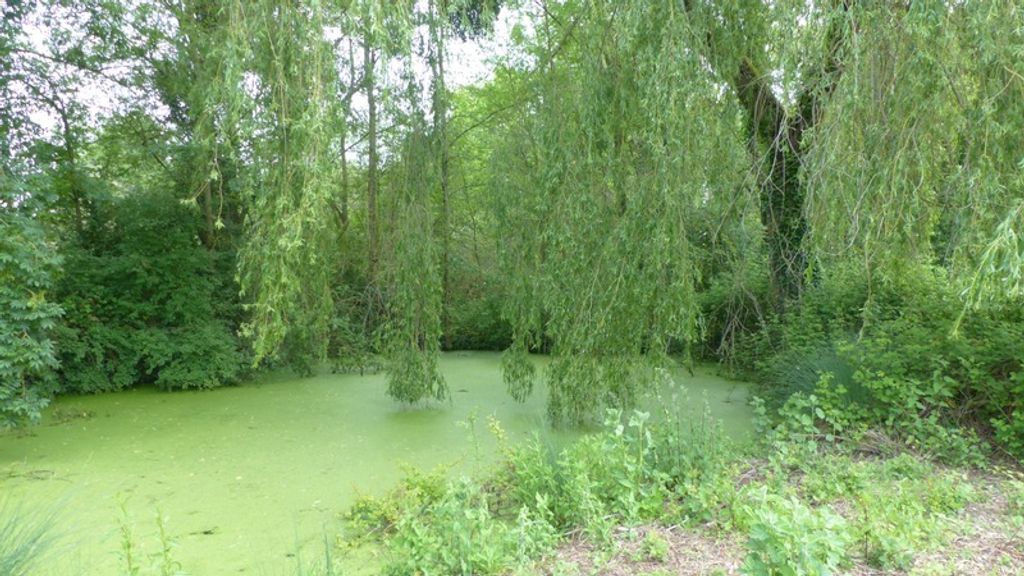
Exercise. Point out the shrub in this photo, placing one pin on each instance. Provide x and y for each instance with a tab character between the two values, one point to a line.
786	538
459	534
1014	490
145	303
376	517
476	323
1008	421
900	517
27	318
353	345
634	470
639	468
897	505
613	476
896	355
654	547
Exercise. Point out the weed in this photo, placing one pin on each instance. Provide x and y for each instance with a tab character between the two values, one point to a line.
654	547
167	564
788	538
128	555
25	539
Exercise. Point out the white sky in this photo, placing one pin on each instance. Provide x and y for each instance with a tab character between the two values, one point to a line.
468	62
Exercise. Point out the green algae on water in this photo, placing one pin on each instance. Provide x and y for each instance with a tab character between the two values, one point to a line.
243	478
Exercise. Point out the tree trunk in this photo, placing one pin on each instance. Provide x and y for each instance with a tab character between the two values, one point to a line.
775	141
776	144
371	168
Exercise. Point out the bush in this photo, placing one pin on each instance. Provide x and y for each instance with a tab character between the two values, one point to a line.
145	303
896	506
358	310
896	355
637	469
459	534
433	526
596	482
375	517
1008	421
633	471
899	517
733	305
475	320
786	538
653	548
27	355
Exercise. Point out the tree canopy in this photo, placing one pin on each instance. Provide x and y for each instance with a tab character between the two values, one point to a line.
629	182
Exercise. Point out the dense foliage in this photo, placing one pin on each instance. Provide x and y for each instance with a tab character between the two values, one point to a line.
826	195
894	355
28	357
144	302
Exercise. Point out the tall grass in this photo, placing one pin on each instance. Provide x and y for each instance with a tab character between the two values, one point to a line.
25	538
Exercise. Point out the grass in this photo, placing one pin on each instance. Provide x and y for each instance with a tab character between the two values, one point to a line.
25	538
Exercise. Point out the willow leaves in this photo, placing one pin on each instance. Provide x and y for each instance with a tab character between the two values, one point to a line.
627	137
288	262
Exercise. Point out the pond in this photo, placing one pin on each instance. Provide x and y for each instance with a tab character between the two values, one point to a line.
246	477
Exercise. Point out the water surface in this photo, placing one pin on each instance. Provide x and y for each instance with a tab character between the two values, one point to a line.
247	476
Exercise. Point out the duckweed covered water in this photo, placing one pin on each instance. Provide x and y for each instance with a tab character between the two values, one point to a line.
248	477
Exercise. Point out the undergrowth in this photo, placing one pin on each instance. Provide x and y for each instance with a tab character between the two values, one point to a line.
818	493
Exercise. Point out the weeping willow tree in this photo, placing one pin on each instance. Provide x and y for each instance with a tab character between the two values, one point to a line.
287	264
626	137
417	268
990	181
881	134
277	84
413	274
917	157
917	160
811	134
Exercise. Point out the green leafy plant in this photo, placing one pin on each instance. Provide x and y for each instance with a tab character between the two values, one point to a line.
144	303
653	548
28	356
786	538
135	561
376	517
894	357
901	516
459	534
